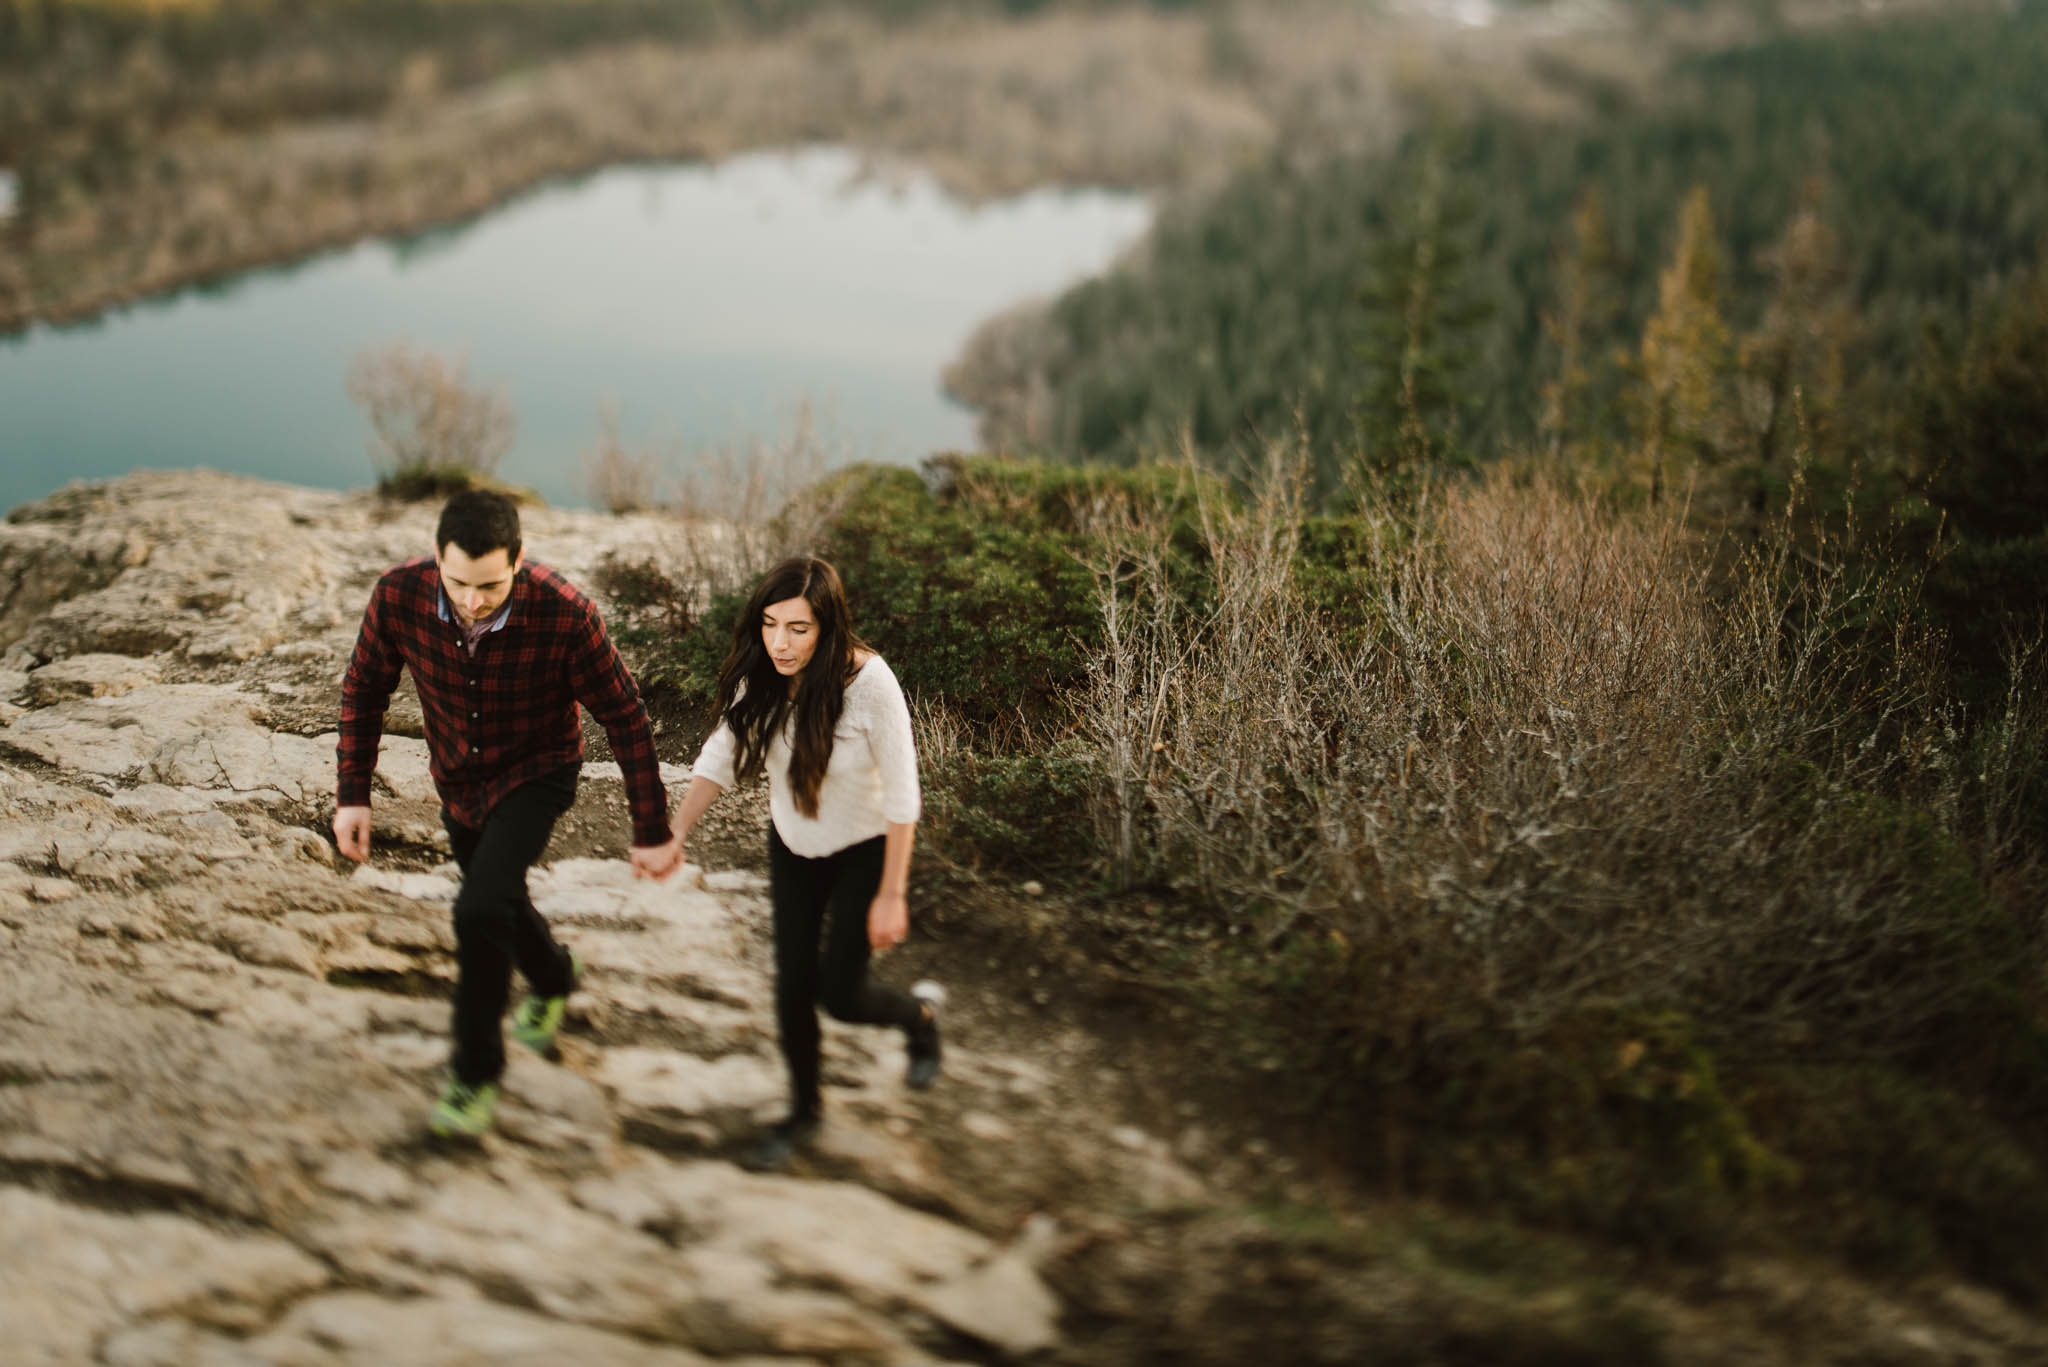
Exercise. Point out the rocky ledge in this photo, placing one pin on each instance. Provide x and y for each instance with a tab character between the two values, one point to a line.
218	1042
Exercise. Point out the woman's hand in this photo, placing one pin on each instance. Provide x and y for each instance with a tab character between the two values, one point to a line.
657	861
888	920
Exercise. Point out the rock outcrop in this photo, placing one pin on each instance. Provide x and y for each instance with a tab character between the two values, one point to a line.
218	1041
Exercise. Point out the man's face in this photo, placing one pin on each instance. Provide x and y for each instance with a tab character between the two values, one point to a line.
479	587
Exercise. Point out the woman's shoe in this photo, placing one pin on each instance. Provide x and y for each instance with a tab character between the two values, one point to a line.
773	1150
924	1036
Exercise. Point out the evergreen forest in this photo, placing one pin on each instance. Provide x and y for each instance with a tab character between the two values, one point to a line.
1816	256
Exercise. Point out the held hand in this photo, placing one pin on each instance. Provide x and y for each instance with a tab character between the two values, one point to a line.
352	832
888	920
657	861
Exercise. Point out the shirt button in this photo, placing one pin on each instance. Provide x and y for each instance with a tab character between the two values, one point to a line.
472	716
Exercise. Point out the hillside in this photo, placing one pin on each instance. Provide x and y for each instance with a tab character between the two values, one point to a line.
219	1045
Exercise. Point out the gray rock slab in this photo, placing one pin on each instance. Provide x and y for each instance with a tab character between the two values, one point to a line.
44	566
433	888
608	771
89	676
521	1237
146	1068
70	1276
201	736
882	1255
353	1329
368	1179
160	800
668	1082
809	1232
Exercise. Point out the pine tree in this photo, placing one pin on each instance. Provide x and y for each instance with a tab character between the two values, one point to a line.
1791	369
1585	309
1421	315
1682	368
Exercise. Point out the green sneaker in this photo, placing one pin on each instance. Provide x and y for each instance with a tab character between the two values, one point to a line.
464	1110
538	1019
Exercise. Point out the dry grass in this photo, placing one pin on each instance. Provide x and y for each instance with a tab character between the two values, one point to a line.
1540	760
740	509
760	501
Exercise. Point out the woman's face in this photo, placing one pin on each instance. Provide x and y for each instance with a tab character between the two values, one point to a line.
789	633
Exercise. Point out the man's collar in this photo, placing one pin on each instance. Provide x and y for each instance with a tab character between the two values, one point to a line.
446	610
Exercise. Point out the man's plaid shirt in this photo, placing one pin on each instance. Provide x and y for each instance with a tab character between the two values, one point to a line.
506	714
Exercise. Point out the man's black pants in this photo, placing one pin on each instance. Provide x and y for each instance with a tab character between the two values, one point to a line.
496	926
808	893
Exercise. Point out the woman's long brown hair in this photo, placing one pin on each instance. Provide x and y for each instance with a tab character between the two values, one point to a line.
755	701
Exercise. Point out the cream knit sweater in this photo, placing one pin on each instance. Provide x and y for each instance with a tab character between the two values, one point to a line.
870	782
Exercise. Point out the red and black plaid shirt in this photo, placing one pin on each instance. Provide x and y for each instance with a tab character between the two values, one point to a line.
506	714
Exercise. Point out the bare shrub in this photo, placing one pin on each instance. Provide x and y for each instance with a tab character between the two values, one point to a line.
1004	372
1539	761
748	506
2008	773
425	417
737	512
623	478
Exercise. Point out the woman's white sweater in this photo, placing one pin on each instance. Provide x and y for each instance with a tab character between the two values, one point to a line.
870	782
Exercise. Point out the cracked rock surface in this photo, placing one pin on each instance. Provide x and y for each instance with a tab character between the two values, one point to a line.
218	1042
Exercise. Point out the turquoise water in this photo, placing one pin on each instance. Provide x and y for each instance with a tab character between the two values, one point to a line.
710	304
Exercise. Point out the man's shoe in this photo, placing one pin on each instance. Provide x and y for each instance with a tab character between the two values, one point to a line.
464	1111
538	1019
924	1036
772	1151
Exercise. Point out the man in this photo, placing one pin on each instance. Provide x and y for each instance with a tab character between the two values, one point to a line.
502	651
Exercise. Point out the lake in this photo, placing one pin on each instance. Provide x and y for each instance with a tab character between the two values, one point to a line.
711	304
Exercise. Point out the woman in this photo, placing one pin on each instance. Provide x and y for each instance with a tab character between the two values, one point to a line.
803	697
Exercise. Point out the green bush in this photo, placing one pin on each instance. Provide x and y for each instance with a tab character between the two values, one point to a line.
1910	1172
1606	1120
981	606
974	578
678	653
1025	812
1335	570
421	483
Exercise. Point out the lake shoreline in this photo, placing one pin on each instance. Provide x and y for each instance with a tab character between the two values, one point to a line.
1169	104
667	315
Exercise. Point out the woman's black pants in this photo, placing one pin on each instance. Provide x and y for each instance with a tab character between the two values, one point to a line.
496	926
829	895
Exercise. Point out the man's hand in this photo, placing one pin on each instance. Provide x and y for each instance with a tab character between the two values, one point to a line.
657	861
888	920
352	832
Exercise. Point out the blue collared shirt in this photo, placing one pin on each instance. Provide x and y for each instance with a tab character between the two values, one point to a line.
497	623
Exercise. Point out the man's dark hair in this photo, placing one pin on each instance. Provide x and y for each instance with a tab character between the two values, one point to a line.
479	521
